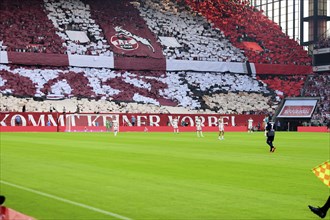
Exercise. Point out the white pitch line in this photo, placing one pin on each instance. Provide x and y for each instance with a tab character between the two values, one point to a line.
67	201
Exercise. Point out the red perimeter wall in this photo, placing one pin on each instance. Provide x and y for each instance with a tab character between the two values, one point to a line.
36	122
313	129
121	129
59	122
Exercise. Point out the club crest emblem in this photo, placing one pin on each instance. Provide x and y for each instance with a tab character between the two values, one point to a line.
125	40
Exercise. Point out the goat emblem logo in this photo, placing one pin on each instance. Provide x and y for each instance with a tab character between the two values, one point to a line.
125	40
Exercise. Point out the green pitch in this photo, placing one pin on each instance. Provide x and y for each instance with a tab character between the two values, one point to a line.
162	175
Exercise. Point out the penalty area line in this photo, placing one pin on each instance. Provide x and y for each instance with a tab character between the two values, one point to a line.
66	201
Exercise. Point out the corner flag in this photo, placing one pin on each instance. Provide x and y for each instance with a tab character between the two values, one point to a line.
322	171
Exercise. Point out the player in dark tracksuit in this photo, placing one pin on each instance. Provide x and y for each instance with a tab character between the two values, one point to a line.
270	136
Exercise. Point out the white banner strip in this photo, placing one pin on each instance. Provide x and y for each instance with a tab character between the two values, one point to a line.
91	61
207	66
4	57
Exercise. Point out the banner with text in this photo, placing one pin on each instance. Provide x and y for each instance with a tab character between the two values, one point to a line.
124	119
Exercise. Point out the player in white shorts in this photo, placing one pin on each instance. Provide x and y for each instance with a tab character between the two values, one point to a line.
265	121
115	126
175	125
250	125
221	127
199	127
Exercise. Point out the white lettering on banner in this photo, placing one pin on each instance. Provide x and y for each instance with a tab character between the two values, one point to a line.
23	121
152	122
170	118
212	120
12	121
90	121
126	120
105	118
3	123
225	120
73	120
60	119
233	121
41	121
139	120
117	118
202	119
52	120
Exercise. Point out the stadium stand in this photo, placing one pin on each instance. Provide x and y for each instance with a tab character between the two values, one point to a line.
251	31
78	82
284	85
323	43
186	35
78	105
25	27
239	103
74	25
183	89
219	31
317	85
15	84
120	17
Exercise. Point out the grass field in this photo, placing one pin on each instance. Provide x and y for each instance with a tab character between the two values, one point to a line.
162	175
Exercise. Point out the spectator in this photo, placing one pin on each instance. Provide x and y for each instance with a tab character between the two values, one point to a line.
133	120
18	120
